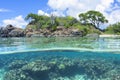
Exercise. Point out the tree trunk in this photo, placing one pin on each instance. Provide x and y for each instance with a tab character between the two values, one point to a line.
98	29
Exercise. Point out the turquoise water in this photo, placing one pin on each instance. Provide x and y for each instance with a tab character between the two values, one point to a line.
27	44
70	58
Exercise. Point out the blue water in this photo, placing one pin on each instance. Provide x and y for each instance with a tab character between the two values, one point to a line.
60	65
26	59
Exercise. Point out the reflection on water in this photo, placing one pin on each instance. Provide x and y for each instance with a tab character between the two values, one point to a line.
21	44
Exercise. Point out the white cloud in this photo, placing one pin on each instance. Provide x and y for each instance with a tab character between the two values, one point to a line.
17	21
72	7
75	7
114	16
58	13
104	6
4	10
40	12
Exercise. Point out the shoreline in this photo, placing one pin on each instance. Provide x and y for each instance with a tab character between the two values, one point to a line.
109	36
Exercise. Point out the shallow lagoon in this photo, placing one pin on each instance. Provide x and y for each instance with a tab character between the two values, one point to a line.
59	59
9	45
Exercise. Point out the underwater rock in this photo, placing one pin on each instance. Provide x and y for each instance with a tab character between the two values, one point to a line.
95	68
38	70
61	78
17	75
113	74
16	64
61	68
36	66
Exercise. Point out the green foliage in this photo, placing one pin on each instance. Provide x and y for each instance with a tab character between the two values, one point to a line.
94	18
31	26
113	29
51	22
83	18
34	18
87	29
39	21
54	26
66	21
81	28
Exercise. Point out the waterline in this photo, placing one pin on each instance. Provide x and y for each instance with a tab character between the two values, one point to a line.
116	51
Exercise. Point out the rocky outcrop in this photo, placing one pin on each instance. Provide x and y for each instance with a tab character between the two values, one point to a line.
16	33
11	31
60	31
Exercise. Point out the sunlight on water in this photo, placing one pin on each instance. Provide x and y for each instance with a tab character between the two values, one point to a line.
23	44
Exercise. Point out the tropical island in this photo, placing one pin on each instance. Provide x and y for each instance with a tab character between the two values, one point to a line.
48	26
60	40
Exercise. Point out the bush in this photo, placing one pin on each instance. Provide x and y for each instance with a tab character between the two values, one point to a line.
113	29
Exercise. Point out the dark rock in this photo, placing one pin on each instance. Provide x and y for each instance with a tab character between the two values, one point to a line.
16	33
60	31
10	27
4	30
11	31
77	33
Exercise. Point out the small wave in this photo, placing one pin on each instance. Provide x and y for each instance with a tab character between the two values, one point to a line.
117	51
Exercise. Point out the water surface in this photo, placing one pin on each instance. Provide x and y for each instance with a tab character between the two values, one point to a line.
59	58
26	44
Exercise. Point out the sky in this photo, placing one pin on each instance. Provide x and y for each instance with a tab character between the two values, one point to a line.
14	11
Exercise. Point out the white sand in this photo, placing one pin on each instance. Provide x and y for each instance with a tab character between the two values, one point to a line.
109	35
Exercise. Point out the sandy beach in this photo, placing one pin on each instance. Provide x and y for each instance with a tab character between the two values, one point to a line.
109	35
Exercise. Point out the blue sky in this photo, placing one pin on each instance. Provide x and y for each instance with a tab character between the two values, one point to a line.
14	11
18	7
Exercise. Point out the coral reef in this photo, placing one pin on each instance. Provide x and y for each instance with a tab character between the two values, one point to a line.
61	68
